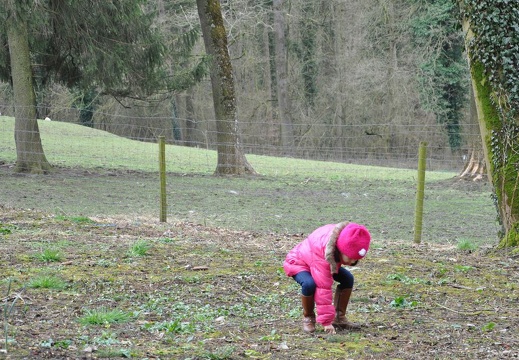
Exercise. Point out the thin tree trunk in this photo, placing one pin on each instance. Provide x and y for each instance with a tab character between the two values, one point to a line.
287	127
29	150
231	159
190	139
274	131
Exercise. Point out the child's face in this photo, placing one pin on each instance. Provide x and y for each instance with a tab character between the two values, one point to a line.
347	261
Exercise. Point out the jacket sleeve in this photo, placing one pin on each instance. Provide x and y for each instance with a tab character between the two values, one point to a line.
323	294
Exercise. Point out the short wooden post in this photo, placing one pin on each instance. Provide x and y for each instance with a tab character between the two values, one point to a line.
420	193
162	172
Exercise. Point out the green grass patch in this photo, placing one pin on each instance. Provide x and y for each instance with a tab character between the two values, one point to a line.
467	245
50	255
47	282
104	316
139	248
82	220
463	268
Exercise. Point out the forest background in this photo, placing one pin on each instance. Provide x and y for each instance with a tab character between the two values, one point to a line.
357	81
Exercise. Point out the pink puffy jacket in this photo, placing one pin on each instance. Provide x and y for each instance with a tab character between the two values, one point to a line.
316	255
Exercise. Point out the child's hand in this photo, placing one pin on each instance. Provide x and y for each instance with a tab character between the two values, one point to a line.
329	329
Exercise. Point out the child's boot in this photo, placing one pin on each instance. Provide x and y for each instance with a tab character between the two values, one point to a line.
308	313
340	301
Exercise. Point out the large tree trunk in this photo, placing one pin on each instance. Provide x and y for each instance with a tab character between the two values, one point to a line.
29	150
231	159
287	128
499	144
475	168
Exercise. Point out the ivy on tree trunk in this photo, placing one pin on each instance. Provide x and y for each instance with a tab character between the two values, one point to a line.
492	42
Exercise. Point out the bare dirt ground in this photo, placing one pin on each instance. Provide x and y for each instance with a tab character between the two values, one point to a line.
210	293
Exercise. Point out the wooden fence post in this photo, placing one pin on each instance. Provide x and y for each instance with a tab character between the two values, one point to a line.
420	193
162	172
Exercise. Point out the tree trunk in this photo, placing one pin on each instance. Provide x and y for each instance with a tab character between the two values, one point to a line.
231	159
499	146
474	168
29	150
285	117
309	29
190	139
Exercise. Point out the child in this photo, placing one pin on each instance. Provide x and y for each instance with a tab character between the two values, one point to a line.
316	262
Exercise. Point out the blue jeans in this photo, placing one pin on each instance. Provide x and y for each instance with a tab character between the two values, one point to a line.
308	286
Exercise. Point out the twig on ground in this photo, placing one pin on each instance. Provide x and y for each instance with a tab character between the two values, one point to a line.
473	313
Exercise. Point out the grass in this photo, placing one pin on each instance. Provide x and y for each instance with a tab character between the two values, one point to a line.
100	174
139	248
104	316
467	245
75	219
47	282
73	145
50	255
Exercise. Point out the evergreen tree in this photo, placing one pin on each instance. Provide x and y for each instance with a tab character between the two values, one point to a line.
109	45
443	79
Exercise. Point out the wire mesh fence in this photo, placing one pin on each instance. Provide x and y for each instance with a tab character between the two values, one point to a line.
111	168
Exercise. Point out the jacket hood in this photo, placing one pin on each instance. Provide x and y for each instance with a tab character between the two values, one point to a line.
329	252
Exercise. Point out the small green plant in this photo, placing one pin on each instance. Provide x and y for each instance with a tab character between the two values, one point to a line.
47	343
466	245
50	255
273	336
402	303
463	268
444	281
220	353
139	248
47	282
103	316
166	240
406	279
174	327
489	327
6	229
115	353
442	270
195	279
61	344
104	263
107	338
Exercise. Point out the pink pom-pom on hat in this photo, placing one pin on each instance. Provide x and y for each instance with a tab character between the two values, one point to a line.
354	241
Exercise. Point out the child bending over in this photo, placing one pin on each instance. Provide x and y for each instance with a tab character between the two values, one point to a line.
316	262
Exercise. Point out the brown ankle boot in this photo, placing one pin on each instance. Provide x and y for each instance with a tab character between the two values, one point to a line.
340	301
308	313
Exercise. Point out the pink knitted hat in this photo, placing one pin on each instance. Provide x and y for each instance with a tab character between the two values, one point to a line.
354	241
